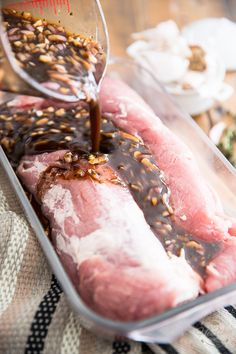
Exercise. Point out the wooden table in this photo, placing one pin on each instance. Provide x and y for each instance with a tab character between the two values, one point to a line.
127	16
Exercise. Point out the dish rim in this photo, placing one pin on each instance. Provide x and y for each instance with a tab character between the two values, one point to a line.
73	296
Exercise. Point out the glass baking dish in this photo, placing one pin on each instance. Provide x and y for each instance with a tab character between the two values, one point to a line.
218	173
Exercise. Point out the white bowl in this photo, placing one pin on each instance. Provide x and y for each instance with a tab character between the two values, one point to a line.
194	103
210	89
208	86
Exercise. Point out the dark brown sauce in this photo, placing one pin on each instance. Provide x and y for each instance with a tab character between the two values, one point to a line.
128	156
51	55
95	124
137	168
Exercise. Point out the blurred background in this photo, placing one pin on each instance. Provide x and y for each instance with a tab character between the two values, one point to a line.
127	16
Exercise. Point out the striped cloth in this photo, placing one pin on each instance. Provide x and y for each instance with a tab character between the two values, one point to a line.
34	314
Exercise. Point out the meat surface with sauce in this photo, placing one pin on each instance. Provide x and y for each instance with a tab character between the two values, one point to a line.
141	222
196	208
117	264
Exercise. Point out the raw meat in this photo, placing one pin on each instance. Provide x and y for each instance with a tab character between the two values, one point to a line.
27	102
222	269
195	206
24	102
119	267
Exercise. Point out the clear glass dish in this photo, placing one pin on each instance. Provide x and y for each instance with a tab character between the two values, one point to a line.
218	173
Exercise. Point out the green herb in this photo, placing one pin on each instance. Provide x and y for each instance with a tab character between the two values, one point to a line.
227	144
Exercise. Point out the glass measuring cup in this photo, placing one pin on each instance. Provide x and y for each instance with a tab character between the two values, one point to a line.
83	17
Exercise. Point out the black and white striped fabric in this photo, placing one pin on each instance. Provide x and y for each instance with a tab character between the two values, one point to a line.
215	334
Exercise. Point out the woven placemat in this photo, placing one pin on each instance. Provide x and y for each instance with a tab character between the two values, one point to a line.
36	318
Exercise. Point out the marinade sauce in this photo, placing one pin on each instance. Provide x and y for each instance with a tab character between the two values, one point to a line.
58	59
67	63
95	124
32	131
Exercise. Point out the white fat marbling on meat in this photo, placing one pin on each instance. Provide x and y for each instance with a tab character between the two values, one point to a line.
32	170
123	110
122	232
70	245
101	242
36	167
58	201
